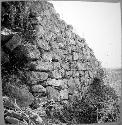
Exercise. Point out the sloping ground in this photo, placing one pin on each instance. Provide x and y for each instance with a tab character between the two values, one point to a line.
113	78
49	73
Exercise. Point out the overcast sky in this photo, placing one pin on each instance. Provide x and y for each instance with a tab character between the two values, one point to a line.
99	23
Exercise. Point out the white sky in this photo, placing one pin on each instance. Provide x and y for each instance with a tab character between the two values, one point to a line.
99	23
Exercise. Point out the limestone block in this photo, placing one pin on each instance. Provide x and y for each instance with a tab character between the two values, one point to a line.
47	13
71	83
84	51
80	55
33	77
39	30
42	101
44	21
43	44
80	44
56	74
82	79
4	57
41	66
75	74
68	34
14	42
39	18
97	63
72	42
41	111
65	65
61	53
68	57
81	66
81	72
39	94
21	94
11	120
32	52
56	30
64	86
26	52
86	75
91	75
55	82
53	93
73	48
62	71
68	74
47	56
69	49
75	56
73	65
69	27
56	56
71	90
54	45
64	94
77	81
7	102
87	82
48	34
52	10
56	65
38	88
61	46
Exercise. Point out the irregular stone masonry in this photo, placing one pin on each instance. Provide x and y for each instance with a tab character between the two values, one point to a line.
49	73
57	59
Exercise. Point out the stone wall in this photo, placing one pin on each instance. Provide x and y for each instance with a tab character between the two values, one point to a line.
43	59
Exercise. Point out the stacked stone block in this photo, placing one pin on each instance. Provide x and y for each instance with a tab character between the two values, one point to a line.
53	64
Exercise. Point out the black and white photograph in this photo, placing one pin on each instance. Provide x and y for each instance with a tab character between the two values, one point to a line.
60	62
